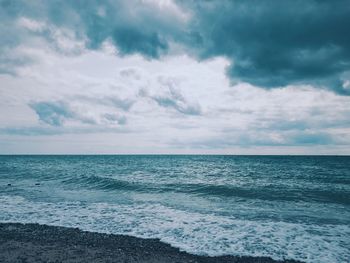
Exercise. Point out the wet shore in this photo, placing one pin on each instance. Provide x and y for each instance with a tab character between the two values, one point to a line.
42	243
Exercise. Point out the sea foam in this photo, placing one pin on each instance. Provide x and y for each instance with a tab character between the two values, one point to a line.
197	233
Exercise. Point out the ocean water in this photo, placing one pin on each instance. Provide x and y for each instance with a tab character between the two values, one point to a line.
279	206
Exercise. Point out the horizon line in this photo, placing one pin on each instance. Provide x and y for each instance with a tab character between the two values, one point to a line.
162	154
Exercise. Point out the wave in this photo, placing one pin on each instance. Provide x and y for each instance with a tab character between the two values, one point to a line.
194	232
266	192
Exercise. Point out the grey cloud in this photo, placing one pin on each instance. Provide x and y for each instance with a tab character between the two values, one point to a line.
11	37
130	73
52	113
48	130
311	139
281	124
31	131
219	142
124	104
132	40
9	62
134	26
272	43
175	100
253	139
309	121
113	118
56	113
121	103
179	105
276	43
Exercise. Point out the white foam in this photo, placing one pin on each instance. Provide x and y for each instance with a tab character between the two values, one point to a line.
193	232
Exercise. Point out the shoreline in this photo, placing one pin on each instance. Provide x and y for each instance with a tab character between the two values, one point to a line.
43	243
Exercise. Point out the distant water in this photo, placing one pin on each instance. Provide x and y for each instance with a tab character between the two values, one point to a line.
278	206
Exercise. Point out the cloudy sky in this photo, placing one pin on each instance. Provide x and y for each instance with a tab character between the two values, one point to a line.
167	76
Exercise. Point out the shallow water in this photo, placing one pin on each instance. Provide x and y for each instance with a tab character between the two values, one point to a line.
280	206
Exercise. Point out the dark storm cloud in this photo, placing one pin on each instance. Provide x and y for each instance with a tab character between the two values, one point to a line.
272	43
130	40
276	42
134	27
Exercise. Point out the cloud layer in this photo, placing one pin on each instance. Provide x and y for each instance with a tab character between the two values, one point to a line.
269	44
278	43
160	76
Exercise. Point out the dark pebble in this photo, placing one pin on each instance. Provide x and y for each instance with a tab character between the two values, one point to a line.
39	243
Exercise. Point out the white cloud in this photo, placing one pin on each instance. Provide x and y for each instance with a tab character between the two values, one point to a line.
128	104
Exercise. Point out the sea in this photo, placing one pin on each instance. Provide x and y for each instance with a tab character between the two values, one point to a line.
284	207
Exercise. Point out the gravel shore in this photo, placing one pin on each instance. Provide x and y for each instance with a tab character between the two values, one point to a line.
41	243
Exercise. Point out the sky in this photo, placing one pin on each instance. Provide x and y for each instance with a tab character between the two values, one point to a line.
174	77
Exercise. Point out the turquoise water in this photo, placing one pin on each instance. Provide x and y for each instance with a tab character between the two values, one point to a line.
280	206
